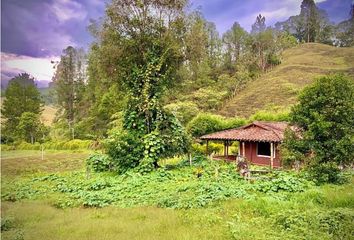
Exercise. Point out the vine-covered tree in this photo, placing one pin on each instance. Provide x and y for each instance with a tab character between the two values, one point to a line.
21	95
149	33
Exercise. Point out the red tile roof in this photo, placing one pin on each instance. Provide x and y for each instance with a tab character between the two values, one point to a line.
257	131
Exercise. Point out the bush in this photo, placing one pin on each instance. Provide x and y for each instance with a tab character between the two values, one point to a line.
126	150
99	162
212	148
205	123
325	113
271	115
7	223
28	146
325	173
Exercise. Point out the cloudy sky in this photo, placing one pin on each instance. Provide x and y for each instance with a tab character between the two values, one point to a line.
34	32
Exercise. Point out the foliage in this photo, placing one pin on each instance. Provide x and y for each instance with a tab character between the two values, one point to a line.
75	144
205	123
125	149
180	187
21	96
6	223
98	162
269	115
284	182
333	223
69	85
324	114
30	128
326	173
184	111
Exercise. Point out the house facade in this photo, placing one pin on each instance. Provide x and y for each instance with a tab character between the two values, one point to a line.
258	142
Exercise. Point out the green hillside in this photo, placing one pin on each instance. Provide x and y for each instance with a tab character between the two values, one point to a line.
280	86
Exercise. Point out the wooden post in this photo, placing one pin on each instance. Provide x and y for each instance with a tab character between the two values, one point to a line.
225	149
190	159
243	149
271	155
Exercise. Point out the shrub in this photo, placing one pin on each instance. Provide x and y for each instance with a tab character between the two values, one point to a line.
325	173
325	114
205	123
125	149
270	115
7	223
283	182
99	162
28	146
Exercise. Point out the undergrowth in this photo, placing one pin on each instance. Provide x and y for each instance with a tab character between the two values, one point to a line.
177	186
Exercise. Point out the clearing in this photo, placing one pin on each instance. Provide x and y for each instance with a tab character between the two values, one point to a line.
54	198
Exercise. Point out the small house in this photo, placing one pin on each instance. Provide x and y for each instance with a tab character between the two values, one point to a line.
258	142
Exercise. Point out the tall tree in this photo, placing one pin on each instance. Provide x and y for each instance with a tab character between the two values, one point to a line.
310	19
21	96
259	26
235	41
69	82
150	34
30	127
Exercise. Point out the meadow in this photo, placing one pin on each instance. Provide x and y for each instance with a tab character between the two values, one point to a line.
58	198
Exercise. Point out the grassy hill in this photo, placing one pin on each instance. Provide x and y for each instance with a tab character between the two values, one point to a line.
280	86
48	115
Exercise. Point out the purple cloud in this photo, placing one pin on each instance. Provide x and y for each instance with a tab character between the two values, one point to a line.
44	28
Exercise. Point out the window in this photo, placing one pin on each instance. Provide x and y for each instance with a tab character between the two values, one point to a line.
263	149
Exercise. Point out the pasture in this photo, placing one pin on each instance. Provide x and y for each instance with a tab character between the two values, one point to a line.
56	198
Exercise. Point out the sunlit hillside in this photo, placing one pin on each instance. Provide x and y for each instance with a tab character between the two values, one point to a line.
280	86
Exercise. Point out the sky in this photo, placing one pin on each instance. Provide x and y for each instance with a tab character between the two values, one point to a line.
34	32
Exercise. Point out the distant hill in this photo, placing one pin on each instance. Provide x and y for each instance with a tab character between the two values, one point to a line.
48	115
280	87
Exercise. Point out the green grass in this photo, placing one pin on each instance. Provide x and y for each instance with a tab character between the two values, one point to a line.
325	212
280	86
21	162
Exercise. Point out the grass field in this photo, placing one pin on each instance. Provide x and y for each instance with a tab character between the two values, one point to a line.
280	87
325	212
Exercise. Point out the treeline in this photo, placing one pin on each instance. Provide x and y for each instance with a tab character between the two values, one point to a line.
206	68
155	57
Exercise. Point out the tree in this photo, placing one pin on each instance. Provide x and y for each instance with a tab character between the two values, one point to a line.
21	96
69	82
259	26
309	14
30	127
345	30
150	36
235	41
325	115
